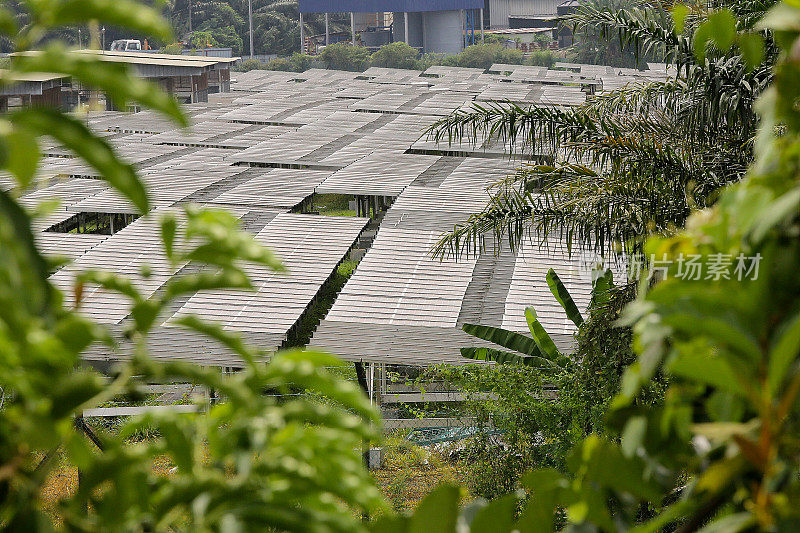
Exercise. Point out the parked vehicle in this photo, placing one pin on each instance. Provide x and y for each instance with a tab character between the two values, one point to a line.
126	45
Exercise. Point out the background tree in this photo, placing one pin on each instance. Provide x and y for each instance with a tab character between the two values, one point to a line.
628	163
591	46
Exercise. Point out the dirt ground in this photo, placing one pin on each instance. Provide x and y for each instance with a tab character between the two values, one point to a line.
407	476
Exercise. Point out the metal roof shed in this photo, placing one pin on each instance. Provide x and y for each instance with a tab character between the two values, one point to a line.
32	89
219	77
186	79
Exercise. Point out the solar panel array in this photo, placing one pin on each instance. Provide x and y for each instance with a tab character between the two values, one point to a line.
269	145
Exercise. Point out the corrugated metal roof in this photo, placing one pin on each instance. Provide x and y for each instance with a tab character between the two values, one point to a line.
375	6
279	137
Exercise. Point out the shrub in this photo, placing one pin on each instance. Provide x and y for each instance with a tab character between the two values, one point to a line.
485	55
173	48
541	58
202	39
279	63
395	55
301	62
250	64
343	56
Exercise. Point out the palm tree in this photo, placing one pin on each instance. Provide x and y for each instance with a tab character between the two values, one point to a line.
627	163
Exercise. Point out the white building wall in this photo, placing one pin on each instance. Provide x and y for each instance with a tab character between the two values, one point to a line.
501	10
443	31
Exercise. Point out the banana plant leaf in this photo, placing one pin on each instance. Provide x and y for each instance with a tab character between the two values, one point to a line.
601	292
503	357
507	339
544	342
564	298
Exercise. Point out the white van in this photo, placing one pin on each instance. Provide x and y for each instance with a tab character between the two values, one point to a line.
126	45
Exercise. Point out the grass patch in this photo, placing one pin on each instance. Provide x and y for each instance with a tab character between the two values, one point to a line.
335	205
301	335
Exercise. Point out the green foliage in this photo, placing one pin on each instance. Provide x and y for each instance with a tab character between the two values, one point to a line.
720	454
246	65
172	48
399	55
250	462
484	56
395	55
227	37
544	412
344	56
540	350
202	39
541	58
595	44
295	63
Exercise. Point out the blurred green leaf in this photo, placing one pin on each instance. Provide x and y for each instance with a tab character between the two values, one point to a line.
722	27
438	512
497	516
22	155
204	281
22	268
752	48
8	23
75	136
700	40
539	511
169	231
679	12
730	524
714	371
785	351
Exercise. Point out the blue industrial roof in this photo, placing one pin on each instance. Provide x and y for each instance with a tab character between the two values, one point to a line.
376	6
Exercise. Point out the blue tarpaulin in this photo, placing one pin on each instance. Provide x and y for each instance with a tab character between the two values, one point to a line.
376	6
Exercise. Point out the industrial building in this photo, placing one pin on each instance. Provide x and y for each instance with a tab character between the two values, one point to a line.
432	26
522	13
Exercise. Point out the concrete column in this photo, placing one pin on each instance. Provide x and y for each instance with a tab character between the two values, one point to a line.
463	28
250	19
302	36
405	18
483	35
353	27
327	30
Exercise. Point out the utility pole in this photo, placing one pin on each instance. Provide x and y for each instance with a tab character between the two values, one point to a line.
250	17
353	26
327	30
190	16
302	36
